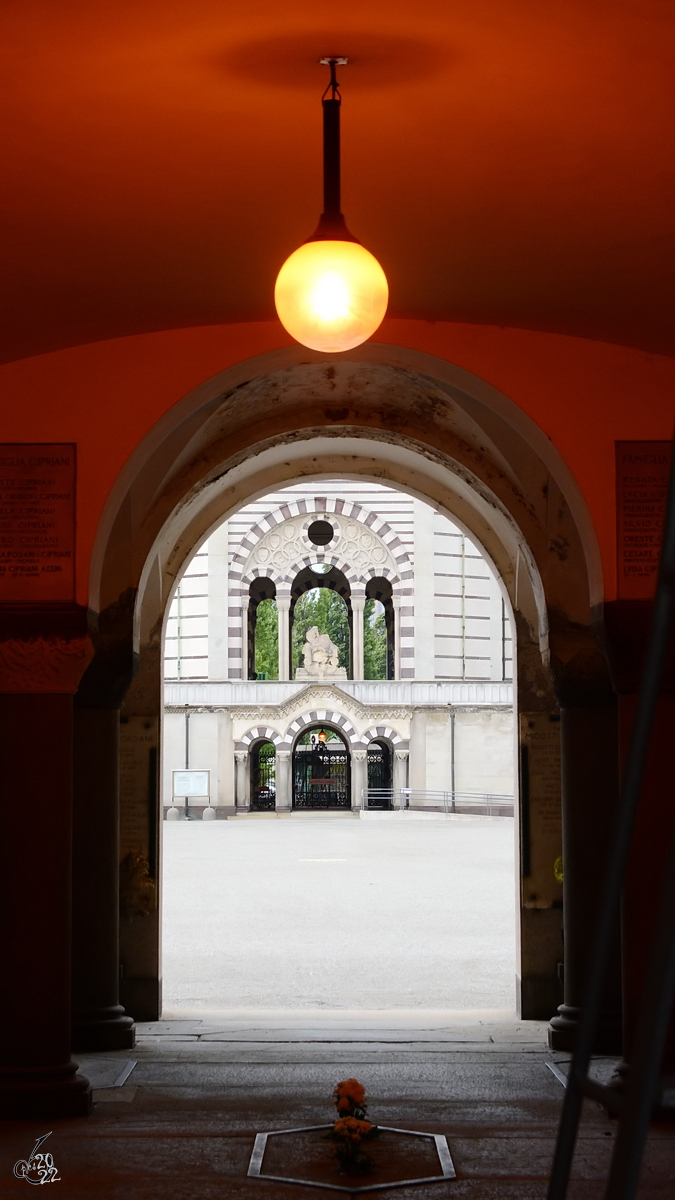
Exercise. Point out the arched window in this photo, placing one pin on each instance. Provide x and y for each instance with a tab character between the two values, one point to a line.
263	631
321	597
378	631
379	774
263	785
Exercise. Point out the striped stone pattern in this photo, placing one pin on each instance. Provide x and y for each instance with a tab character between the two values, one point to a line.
260	733
186	643
323	716
386	733
472	634
311	507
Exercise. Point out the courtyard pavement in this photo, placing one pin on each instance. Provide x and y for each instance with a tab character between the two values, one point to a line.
333	912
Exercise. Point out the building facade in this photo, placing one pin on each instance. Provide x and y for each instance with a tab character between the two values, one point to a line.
438	720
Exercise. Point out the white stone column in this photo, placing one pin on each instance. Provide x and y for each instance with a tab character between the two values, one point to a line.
282	781
359	776
242	796
400	775
225	762
418	751
284	635
358	606
396	602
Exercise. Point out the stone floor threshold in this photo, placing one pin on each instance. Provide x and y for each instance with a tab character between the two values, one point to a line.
178	1115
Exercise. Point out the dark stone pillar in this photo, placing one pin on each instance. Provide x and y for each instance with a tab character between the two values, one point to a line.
629	623
42	656
590	784
99	1021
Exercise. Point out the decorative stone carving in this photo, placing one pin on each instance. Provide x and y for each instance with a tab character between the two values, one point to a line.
44	664
321	657
285	548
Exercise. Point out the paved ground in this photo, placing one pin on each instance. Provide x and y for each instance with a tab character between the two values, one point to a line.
337	912
184	1121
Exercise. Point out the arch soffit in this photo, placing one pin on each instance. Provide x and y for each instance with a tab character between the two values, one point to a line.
396	566
208	438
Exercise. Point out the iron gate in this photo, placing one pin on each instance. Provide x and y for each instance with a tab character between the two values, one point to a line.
321	776
263	790
379	774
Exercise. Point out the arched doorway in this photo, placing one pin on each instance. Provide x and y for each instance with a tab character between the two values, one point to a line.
321	770
437	432
263	777
379	774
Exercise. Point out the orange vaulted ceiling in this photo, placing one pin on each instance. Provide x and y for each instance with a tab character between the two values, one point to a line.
508	161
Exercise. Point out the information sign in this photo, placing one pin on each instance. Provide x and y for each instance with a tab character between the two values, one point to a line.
191	783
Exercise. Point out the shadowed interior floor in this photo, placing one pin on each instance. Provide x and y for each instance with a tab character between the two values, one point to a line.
182	1124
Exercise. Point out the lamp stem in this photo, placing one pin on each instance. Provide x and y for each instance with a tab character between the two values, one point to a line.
331	156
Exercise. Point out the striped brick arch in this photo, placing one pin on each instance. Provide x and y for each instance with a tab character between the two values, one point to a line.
384	731
348	509
323	716
259	733
240	578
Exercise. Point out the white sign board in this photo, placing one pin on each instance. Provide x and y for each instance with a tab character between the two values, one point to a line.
191	783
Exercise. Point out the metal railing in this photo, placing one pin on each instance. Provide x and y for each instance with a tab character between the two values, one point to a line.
426	800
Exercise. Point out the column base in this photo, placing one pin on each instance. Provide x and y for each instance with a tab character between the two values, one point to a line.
664	1105
61	1092
562	1032
105	1029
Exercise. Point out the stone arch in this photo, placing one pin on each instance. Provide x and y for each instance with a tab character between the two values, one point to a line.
310	509
259	733
329	717
384	731
385	414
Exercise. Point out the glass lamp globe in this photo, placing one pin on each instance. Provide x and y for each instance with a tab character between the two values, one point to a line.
331	295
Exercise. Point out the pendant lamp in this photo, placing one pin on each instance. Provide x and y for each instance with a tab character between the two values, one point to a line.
331	294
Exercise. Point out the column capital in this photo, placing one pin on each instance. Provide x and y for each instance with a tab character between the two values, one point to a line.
241	755
358	601
283	754
401	755
396	601
359	755
283	602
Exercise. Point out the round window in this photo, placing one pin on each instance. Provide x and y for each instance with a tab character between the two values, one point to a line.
320	533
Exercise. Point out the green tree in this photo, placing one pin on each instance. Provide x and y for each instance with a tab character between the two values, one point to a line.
374	642
327	610
267	640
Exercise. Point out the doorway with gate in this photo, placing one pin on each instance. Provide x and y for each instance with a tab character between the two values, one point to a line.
321	771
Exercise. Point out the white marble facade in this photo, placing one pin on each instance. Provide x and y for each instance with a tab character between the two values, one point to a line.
446	713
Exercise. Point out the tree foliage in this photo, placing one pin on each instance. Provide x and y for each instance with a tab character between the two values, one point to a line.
267	640
327	610
374	642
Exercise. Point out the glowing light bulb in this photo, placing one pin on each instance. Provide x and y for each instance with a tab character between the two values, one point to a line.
331	295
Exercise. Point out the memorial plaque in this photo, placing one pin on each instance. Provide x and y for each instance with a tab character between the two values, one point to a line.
642	470
541	811
37	521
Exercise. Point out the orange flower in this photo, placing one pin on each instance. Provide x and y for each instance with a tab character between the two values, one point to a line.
352	1089
350	1127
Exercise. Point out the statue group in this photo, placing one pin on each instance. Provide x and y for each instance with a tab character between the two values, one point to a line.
321	657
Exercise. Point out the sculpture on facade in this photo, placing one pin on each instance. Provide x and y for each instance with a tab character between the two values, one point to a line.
321	657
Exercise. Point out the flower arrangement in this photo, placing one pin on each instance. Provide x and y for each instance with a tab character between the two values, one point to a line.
352	1128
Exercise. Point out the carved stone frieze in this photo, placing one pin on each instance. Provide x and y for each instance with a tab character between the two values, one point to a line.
41	664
